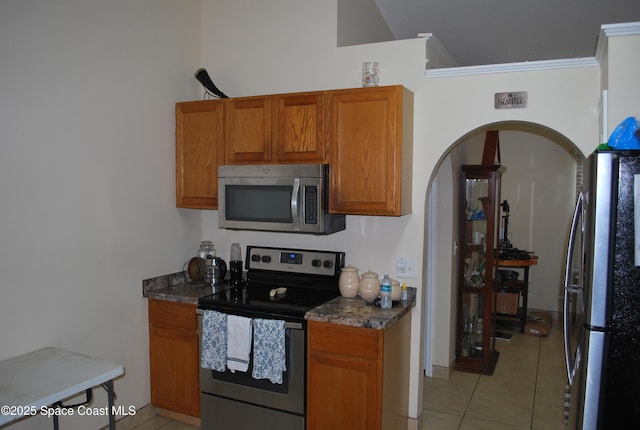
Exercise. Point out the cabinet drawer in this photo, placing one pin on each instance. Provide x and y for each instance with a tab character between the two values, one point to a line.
172	315
345	340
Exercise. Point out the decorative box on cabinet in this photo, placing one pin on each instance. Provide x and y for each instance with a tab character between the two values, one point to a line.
174	357
479	218
370	136
199	134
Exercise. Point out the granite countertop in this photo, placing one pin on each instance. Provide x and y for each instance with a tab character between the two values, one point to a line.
175	287
357	313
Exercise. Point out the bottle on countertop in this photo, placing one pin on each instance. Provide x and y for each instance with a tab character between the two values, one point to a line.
385	293
405	293
235	264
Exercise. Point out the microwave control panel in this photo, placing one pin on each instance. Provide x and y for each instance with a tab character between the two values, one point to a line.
311	204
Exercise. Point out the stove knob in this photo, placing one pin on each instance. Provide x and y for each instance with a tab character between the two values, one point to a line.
266	259
328	264
316	263
255	258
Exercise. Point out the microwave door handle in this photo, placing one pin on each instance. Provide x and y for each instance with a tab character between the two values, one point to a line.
295	203
569	288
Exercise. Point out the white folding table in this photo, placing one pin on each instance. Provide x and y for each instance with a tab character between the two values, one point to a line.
44	378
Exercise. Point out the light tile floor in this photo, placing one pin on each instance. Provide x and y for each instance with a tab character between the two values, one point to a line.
526	392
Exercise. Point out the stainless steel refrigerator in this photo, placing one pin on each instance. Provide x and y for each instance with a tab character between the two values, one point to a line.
602	294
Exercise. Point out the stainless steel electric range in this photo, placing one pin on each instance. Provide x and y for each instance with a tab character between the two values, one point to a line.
281	284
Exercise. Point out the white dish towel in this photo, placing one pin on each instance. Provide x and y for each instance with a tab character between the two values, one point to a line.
214	341
238	343
269	357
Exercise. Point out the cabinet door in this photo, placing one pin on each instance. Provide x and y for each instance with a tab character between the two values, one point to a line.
248	130
343	393
174	357
299	128
369	170
198	153
174	370
344	377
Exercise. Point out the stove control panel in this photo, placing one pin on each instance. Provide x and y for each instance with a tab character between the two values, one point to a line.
302	261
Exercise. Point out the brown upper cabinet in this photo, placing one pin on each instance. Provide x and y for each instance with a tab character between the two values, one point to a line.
299	128
199	133
370	138
247	131
365	134
284	128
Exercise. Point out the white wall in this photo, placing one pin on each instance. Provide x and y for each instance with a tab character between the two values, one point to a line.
539	185
622	79
290	45
360	21
87	182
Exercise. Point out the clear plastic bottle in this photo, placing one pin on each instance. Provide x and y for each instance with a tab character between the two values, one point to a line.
385	292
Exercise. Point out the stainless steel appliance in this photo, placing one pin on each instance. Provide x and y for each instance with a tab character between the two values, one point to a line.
276	197
237	400
602	285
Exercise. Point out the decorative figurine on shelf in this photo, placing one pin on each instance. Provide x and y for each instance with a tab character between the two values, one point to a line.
485	202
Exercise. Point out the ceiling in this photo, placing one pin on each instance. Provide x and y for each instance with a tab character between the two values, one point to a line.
480	32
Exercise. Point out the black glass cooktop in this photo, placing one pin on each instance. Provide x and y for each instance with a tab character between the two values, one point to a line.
255	301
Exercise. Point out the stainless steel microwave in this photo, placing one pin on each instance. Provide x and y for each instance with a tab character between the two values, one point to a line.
276	197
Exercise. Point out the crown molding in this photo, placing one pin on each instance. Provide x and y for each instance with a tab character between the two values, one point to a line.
606	31
612	30
526	66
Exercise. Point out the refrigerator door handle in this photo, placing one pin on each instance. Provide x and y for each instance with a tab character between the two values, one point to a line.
570	288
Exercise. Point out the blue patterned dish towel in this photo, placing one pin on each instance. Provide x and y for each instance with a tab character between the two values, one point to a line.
269	358
214	341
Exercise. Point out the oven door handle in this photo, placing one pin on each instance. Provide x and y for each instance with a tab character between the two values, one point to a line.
287	324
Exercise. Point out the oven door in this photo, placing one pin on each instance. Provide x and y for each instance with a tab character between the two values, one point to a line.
237	400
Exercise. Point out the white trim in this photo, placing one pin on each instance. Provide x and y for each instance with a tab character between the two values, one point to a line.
428	304
622	29
526	66
609	30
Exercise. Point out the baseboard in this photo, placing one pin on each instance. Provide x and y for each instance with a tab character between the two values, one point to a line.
142	415
177	416
441	372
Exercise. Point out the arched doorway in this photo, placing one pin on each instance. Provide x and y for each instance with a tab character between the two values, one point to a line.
540	183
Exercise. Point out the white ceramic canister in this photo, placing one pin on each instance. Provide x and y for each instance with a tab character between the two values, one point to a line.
369	287
349	281
396	290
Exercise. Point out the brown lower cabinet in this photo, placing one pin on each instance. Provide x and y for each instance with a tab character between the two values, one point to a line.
174	357
358	378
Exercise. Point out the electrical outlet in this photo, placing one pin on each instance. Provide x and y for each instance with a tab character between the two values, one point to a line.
405	267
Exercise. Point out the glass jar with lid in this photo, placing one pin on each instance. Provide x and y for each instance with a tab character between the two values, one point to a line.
206	249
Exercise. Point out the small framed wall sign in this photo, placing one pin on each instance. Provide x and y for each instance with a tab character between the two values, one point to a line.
511	100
